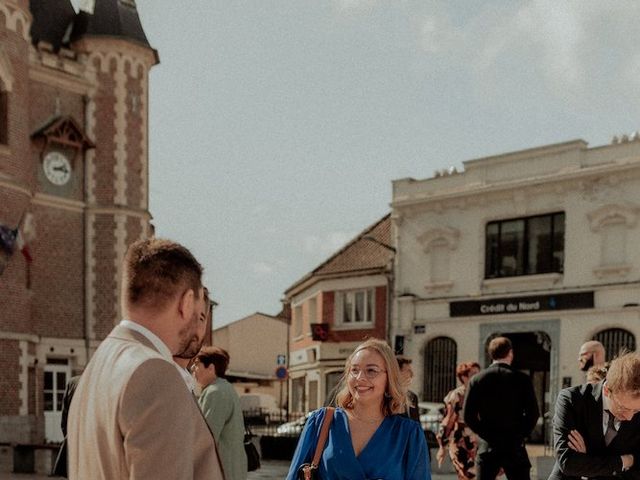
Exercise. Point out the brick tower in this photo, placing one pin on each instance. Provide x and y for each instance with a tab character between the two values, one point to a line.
73	186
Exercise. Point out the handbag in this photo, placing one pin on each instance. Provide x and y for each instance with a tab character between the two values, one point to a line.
253	457
309	471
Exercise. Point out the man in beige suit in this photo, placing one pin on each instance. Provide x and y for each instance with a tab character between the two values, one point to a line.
131	416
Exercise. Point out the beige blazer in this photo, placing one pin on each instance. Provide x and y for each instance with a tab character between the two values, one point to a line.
132	417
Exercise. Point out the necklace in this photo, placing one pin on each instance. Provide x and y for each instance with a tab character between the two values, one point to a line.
370	421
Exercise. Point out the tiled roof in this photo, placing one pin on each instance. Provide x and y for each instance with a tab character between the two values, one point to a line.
360	254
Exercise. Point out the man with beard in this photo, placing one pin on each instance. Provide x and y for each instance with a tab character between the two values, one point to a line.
131	416
591	353
183	358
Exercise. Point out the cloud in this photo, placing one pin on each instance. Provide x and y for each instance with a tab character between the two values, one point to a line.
573	49
261	269
354	6
327	244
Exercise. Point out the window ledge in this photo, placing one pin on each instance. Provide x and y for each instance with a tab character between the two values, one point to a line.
524	282
438	287
620	270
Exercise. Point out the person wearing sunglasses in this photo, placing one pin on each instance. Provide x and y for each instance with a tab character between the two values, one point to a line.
596	426
369	438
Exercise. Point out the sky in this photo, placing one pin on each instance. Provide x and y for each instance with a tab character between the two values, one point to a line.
277	127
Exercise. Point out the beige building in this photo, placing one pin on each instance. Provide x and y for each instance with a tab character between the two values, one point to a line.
257	345
334	308
538	245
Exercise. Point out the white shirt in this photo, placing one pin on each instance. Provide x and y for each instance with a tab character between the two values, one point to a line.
188	379
152	337
605	415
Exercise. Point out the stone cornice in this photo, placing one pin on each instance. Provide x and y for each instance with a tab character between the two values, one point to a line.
9	183
476	193
58	202
59	78
131	212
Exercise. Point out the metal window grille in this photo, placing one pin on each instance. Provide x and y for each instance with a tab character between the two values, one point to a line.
615	340
440	357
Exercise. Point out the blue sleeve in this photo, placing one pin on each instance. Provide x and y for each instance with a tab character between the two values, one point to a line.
418	464
307	443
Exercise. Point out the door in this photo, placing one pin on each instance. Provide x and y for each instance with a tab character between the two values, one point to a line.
55	383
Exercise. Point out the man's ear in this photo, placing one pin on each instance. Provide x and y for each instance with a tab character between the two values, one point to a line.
606	391
186	305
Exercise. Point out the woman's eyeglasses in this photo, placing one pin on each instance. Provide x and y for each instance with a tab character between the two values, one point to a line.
369	373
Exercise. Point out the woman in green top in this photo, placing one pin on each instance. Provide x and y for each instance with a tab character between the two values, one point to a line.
220	405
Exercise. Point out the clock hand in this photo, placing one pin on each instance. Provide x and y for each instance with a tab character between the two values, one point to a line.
61	168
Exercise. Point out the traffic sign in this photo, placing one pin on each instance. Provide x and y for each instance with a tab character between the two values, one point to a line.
281	373
281	360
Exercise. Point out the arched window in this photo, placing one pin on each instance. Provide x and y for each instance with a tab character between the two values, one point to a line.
440	356
614	340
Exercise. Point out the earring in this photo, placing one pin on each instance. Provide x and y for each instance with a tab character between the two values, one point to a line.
387	395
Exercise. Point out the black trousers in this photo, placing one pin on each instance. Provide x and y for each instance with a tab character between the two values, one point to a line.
514	461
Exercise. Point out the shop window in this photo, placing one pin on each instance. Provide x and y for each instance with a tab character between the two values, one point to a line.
355	307
440	357
615	341
332	380
297	395
525	246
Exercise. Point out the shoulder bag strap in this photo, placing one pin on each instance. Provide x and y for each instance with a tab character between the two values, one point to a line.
324	433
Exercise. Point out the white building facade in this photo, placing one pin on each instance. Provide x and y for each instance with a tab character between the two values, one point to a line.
539	245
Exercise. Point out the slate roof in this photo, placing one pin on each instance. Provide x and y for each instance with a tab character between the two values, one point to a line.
51	20
55	22
358	256
111	18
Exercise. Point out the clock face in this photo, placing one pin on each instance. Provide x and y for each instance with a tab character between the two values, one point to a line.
57	168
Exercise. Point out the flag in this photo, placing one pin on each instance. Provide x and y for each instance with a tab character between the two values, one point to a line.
23	247
25	236
7	239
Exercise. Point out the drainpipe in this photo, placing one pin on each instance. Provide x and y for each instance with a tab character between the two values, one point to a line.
85	243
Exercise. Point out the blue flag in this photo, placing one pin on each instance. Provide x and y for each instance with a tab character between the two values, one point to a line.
7	239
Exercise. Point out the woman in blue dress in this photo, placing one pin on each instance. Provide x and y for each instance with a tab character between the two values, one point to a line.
369	439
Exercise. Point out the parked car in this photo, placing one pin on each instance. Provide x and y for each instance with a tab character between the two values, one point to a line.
293	428
431	415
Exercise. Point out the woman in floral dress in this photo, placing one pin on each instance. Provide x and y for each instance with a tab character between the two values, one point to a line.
453	434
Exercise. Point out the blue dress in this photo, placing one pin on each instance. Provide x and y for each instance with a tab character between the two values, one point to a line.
396	451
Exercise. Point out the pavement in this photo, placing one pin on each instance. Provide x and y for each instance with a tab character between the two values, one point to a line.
269	470
278	469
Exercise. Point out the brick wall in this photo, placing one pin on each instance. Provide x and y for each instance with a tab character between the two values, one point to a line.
9	377
58	273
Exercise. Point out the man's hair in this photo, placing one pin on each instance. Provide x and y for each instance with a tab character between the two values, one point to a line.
156	270
597	373
402	361
395	398
623	374
216	356
499	348
463	369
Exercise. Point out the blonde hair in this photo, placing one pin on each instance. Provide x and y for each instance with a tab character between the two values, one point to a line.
395	396
623	374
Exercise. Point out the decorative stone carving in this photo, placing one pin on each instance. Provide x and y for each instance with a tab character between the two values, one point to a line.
438	236
613	214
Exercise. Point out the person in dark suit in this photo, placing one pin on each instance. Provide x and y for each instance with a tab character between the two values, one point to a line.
596	429
501	408
60	465
406	372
